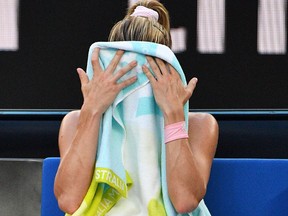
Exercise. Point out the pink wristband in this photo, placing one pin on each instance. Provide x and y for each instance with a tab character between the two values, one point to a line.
175	131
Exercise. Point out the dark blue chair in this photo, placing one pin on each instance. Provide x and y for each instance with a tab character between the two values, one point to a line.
248	187
237	187
49	205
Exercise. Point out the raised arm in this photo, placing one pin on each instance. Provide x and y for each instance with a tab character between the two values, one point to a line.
79	131
188	160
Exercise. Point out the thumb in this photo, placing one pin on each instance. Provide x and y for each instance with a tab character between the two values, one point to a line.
192	85
82	76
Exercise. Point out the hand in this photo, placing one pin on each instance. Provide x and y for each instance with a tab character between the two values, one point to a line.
100	92
169	91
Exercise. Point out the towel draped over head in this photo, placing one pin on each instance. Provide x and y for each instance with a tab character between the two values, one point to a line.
131	149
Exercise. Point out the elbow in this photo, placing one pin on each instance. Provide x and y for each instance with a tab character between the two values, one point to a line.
67	206
188	201
185	206
66	202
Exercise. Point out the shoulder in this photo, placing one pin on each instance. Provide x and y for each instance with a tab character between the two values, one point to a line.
70	122
203	132
67	130
201	119
71	116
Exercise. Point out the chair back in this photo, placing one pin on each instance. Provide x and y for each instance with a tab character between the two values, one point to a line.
250	187
237	187
49	205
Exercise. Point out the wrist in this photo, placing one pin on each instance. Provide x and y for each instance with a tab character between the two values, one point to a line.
91	111
175	131
173	115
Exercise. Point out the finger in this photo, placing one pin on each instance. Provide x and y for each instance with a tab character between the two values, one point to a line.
173	71
114	62
174	74
95	61
127	82
154	66
148	74
125	70
82	76
162	66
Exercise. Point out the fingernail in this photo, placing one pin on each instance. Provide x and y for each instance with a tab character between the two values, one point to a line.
134	63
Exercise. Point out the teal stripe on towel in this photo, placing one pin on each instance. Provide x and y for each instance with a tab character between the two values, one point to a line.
146	106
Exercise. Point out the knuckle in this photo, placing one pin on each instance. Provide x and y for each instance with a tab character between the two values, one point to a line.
114	88
94	59
123	70
113	64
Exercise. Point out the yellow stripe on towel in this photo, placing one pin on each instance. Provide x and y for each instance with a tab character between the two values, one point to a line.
99	203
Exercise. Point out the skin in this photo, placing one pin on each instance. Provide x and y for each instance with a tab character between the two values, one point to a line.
188	160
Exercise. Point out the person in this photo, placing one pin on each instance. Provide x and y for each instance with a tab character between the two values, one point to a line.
188	157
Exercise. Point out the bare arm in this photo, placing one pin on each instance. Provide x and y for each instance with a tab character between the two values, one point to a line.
79	131
188	160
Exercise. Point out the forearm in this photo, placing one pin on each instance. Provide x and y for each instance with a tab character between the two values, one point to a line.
186	185
185	181
78	138
77	163
187	163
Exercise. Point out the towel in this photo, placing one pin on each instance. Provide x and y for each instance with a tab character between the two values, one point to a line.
133	121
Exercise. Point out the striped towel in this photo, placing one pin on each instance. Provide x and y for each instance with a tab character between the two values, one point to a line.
131	149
